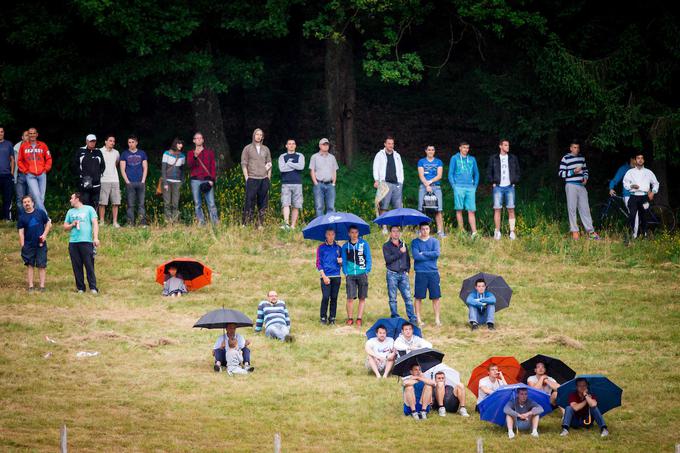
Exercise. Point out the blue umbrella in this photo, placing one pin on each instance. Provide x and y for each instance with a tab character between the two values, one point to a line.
338	221
402	217
393	326
491	408
607	394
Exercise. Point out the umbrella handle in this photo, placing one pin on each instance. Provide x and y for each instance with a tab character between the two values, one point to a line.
589	421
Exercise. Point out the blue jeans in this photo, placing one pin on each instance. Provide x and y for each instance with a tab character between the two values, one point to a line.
570	420
37	186
278	331
481	316
21	190
324	197
504	195
400	281
209	201
221	355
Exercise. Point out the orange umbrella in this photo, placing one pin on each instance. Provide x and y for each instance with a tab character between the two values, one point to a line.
196	275
509	366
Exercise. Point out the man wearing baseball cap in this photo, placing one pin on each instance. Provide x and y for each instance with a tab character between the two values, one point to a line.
89	166
323	169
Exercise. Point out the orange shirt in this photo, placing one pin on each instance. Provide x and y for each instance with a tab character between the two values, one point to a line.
34	159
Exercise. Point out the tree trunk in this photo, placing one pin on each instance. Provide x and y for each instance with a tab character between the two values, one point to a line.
208	120
660	169
341	98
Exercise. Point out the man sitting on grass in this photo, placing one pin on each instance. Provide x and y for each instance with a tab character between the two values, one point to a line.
219	350
448	396
582	410
544	383
490	383
272	314
417	393
481	306
522	413
407	341
381	353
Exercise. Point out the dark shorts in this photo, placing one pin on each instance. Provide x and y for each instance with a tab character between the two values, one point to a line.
34	256
427	282
451	402
357	286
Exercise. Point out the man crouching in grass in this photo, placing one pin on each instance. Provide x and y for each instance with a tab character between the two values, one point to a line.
417	393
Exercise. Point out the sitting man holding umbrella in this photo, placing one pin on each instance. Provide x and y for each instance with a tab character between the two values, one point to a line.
522	413
221	345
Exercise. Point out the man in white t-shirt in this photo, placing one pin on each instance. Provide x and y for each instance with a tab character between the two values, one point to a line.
642	185
407	341
381	353
110	183
491	383
543	382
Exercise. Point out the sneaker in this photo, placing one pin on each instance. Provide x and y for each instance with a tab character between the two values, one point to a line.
442	412
474	326
359	322
473	235
116	225
216	367
511	434
497	235
574	235
288	339
604	432
42	290
331	322
594	236
565	432
250	369
415	415
349	322
534	433
80	291
490	326
323	321
463	412
512	236
31	289
441	234
423	415
94	291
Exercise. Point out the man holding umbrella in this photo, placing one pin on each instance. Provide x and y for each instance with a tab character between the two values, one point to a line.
481	306
417	393
523	413
220	348
582	410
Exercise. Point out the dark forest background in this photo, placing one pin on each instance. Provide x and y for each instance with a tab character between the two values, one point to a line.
428	72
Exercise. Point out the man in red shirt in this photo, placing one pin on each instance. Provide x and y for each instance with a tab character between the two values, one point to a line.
201	164
35	161
582	410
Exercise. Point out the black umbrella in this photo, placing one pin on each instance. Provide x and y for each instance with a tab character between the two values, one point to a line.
218	319
555	368
495	284
426	358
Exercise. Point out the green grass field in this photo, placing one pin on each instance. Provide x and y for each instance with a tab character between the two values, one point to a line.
600	306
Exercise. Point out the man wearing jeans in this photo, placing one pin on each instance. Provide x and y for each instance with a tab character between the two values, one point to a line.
35	161
201	164
328	263
256	163
481	306
574	171
134	167
642	185
272	315
81	222
503	174
323	169
582	410
398	264
388	168
20	187
430	172
7	164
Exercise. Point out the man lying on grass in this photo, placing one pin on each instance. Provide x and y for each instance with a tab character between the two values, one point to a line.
417	393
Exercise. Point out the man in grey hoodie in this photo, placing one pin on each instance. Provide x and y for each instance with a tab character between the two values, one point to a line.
256	163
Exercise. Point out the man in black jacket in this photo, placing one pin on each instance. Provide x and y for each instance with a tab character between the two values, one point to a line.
89	167
503	173
398	263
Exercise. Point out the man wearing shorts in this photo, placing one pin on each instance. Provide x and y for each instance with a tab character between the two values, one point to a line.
110	189
381	353
430	171
291	164
417	393
449	396
464	178
503	174
388	168
425	251
356	264
33	226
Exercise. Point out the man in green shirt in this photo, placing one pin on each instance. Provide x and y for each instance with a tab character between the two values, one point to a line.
81	222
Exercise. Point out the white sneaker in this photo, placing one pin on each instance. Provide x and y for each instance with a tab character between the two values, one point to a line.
511	434
473	235
565	432
604	433
442	412
534	433
415	415
463	412
497	235
116	225
512	236
423	415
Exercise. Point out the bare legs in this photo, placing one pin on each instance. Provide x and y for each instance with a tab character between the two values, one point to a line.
375	365
472	220
436	306
350	308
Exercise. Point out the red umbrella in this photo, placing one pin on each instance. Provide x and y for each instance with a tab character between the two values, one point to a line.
509	366
196	275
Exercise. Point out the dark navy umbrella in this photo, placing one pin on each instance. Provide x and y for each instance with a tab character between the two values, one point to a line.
555	368
495	284
426	358
402	217
338	221
218	319
491	407
607	394
393	326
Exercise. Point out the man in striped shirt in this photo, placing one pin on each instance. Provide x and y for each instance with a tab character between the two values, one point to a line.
272	314
574	171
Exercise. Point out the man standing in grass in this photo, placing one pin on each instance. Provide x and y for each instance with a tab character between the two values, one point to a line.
35	161
522	413
642	185
430	172
81	222
134	167
323	169
33	226
7	164
110	189
417	393
464	179
503	173
256	164
582	410
618	179
398	264
20	187
272	315
90	166
425	251
291	164
356	265
481	306
407	341
328	262
202	177
388	169
381	353
574	171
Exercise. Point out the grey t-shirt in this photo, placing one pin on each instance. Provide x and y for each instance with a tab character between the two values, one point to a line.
513	408
323	166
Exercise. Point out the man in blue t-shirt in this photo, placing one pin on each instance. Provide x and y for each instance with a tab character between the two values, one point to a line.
33	226
7	165
134	167
430	172
81	222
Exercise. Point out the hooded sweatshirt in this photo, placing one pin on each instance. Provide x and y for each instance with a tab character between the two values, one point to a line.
463	171
474	299
356	258
327	259
34	159
254	160
380	166
90	163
